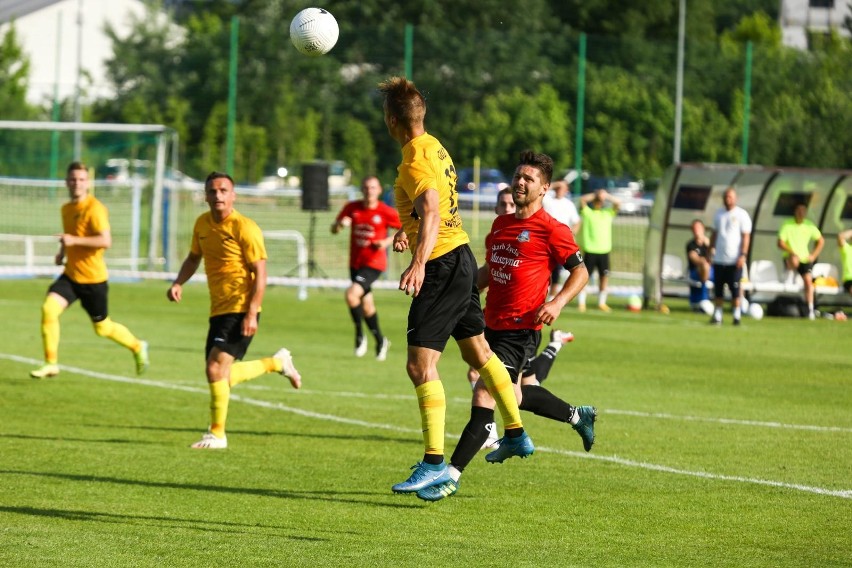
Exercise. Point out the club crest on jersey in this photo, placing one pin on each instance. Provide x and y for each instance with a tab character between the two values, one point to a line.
524	237
377	219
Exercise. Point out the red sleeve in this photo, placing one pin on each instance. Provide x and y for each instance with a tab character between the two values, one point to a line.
346	211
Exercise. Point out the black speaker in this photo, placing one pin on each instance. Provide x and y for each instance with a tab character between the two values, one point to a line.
315	187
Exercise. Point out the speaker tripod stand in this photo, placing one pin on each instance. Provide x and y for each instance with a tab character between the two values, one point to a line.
313	268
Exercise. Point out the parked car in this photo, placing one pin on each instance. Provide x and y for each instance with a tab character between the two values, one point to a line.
124	170
491	181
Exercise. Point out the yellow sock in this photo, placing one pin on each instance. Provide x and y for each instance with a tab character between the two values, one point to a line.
433	410
499	384
118	333
248	370
220	395
51	309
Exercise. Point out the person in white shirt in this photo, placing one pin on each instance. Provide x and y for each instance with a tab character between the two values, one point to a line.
558	203
729	246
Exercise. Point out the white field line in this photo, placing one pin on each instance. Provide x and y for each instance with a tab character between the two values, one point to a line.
841	493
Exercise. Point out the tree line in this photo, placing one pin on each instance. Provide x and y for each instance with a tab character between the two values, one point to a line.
499	77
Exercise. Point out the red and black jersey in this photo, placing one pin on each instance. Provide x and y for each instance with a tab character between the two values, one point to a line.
369	226
520	255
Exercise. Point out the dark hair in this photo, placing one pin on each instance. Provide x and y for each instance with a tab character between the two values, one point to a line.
217	175
73	166
543	162
504	191
403	101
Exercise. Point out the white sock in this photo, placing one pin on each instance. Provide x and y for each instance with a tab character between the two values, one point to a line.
602	298
737	312
717	314
454	473
581	298
575	418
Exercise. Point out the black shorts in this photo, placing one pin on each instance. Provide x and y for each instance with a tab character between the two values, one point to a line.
93	297
595	261
448	302
364	277
515	348
226	334
805	268
726	274
848	286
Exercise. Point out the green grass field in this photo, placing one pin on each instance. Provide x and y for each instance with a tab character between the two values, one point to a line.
715	446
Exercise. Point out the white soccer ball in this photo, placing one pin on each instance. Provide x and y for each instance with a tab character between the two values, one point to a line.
707	307
314	31
755	311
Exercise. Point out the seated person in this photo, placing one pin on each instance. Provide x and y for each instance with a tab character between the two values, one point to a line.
700	268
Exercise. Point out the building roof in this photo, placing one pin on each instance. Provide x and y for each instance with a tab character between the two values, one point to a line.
14	9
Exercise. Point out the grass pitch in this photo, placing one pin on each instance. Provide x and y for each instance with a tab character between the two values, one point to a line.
716	446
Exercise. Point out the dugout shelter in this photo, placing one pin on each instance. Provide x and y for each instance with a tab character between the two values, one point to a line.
769	194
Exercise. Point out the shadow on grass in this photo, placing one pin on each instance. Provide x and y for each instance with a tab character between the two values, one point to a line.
165	522
67	439
327	496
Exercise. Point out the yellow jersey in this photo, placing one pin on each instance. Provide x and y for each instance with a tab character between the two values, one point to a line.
427	165
86	218
228	249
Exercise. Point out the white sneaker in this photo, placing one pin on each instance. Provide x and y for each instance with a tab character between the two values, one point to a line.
493	441
557	336
45	371
287	367
210	441
382	354
361	348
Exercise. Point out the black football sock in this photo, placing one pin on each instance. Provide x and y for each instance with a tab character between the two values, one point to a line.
373	326
541	365
357	316
542	402
473	436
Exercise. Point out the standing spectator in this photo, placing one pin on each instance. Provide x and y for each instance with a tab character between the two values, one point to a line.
698	260
844	242
235	264
794	238
729	246
368	242
85	236
560	206
596	240
442	280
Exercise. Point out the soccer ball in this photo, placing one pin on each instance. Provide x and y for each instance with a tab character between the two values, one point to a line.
755	311
634	303
707	307
314	31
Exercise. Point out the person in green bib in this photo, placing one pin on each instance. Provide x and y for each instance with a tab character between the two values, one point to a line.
844	242
596	240
794	238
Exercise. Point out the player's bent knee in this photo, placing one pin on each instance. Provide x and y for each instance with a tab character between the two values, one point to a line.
103	328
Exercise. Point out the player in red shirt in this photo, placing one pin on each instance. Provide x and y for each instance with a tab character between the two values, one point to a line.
521	252
370	220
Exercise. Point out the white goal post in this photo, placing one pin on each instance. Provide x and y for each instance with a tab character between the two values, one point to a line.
165	136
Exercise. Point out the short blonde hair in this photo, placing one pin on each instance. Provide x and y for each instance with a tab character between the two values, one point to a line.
403	101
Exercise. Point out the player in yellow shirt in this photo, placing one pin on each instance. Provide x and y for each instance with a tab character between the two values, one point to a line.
235	264
442	280
85	236
794	239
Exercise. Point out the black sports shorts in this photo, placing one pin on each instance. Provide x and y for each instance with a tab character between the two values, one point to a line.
514	347
364	277
226	334
93	297
726	274
448	302
595	261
